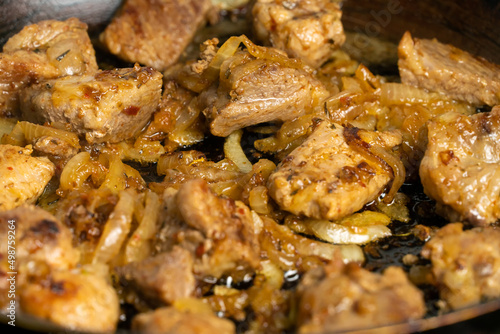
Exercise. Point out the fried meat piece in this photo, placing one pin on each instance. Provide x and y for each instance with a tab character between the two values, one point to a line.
306	29
74	300
461	166
339	298
169	320
154	32
325	178
109	106
219	232
40	237
40	241
446	69
46	50
163	278
261	90
465	264
23	177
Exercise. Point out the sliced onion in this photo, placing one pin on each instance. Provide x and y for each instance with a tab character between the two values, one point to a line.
342	235
26	132
273	274
396	93
259	200
6	126
139	244
116	228
379	156
234	151
76	171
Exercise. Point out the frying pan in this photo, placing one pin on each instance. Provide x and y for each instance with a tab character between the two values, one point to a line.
469	25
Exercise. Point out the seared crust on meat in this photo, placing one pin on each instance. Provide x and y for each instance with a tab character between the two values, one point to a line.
446	69
75	300
334	299
169	320
465	264
325	178
227	225
461	166
46	50
261	90
40	239
23	177
306	29
163	278
109	106
154	32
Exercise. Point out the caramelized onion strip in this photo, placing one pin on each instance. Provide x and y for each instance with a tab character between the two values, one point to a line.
381	157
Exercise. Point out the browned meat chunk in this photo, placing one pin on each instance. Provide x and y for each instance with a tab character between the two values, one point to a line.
171	321
46	50
40	238
465	264
350	298
40	242
23	177
75	300
154	32
325	178
163	278
461	166
307	29
261	90
446	69
109	106
219	232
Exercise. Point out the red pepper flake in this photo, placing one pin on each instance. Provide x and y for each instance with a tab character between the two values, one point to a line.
10	168
200	250
131	111
346	100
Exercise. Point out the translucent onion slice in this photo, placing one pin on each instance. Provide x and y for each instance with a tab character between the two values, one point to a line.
379	156
396	93
359	228
24	133
343	235
116	228
259	200
234	151
139	244
76	171
6	126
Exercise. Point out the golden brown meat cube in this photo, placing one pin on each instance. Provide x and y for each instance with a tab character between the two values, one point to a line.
154	32
339	298
74	300
465	264
169	320
40	237
22	177
461	166
41	243
306	29
325	178
163	278
261	90
219	232
446	69
109	106
46	50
